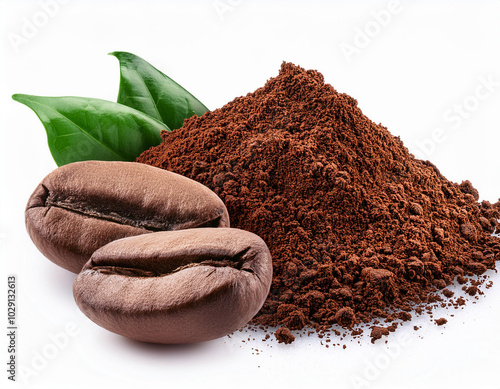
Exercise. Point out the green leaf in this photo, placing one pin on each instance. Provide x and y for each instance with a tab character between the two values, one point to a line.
148	90
81	129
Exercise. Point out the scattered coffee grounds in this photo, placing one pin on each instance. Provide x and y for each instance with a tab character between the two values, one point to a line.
284	335
345	317
441	321
448	293
358	228
378	332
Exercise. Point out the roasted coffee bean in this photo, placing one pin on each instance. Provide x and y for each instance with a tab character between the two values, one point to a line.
176	287
84	205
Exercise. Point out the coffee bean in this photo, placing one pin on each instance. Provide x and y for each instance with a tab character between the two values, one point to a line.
82	206
176	287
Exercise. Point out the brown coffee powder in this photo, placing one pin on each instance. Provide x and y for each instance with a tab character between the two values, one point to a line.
284	335
357	227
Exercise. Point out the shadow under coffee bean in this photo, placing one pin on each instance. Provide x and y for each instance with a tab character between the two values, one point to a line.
82	206
176	287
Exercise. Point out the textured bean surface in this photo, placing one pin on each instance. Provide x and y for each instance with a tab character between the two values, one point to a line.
176	287
82	206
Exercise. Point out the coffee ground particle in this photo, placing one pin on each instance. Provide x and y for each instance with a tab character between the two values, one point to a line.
284	335
378	332
441	321
351	218
448	293
345	317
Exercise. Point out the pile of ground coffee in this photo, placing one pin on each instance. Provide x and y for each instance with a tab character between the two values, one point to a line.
358	228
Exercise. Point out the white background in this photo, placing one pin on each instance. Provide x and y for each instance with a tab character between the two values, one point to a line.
414	69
